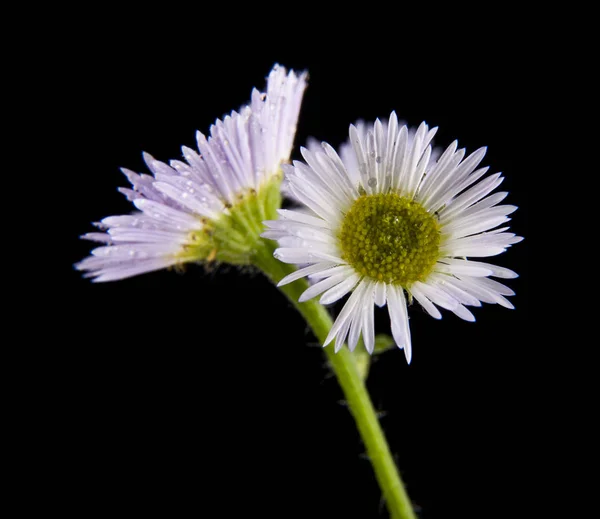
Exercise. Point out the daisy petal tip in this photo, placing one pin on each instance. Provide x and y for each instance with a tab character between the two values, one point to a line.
303	298
148	159
284	282
329	338
325	301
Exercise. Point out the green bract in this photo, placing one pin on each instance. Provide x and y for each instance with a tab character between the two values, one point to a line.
233	238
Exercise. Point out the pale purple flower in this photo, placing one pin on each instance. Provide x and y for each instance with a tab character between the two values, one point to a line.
177	202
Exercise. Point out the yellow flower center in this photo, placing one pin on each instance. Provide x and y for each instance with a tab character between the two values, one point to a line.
390	238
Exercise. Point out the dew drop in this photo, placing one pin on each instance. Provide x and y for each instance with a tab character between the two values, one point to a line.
372	182
378	159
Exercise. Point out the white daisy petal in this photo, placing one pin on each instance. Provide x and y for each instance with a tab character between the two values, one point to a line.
437	296
286	214
498	287
301	255
498	272
323	285
301	231
340	338
320	188
462	312
458	266
356	326
313	201
380	150
336	293
485	294
328	173
399	157
480	214
490	201
380	294
368	320
425	302
436	182
391	145
399	320
446	283
413	172
97	236
474	194
475	227
338	164
300	273
331	272
347	312
357	144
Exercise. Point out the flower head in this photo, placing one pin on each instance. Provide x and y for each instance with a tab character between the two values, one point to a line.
211	206
389	223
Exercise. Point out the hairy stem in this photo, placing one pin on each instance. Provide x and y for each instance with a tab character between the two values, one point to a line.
345	368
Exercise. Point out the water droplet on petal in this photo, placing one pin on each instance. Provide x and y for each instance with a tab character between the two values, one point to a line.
372	182
378	160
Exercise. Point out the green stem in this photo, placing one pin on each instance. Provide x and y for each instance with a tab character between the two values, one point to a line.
345	369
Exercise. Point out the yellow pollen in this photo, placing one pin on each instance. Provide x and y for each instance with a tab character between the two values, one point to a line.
390	238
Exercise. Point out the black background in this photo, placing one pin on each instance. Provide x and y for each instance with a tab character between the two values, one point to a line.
204	392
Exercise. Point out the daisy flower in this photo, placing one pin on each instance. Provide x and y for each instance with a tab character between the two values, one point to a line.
389	224
210	207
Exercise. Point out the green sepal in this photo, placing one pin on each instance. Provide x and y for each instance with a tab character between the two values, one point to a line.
234	237
362	357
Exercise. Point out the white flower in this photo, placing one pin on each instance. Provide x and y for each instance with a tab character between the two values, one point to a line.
211	206
388	220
